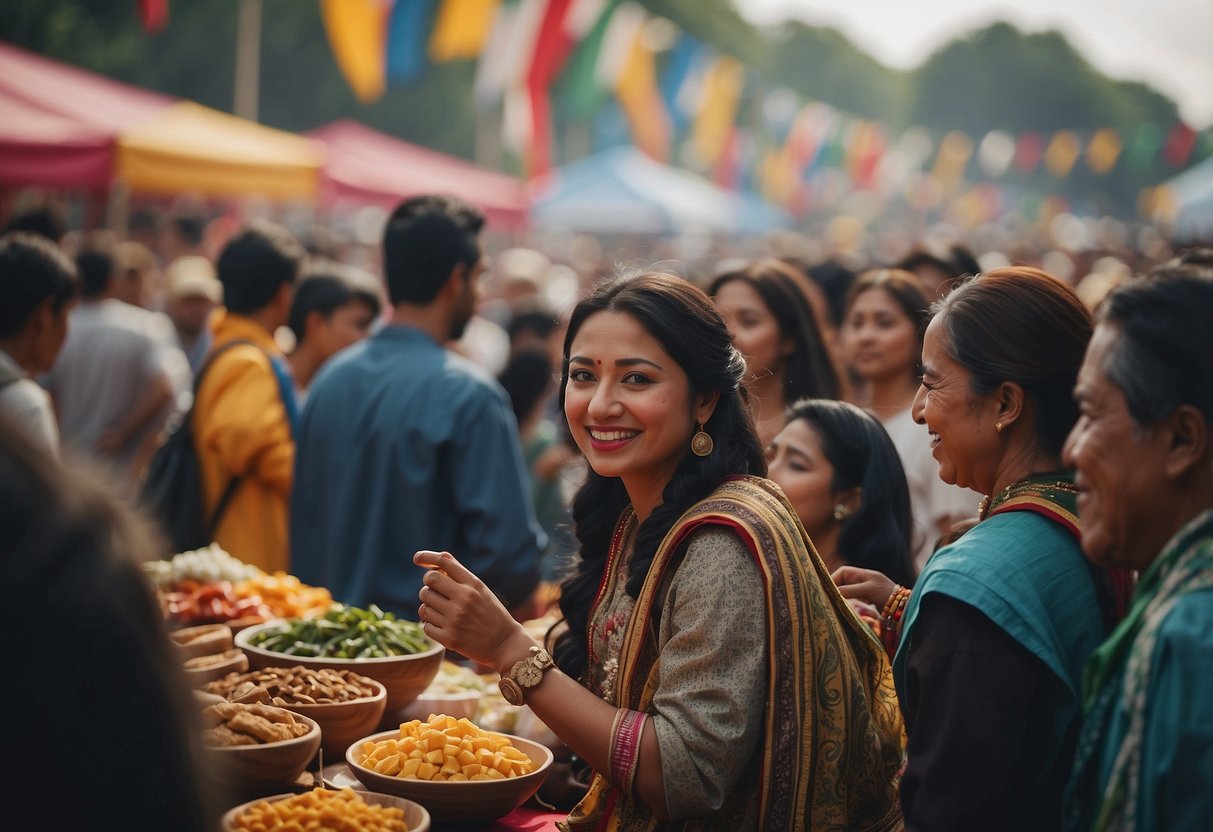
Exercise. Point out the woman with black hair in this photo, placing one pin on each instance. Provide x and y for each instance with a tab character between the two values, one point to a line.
773	324
705	667
840	471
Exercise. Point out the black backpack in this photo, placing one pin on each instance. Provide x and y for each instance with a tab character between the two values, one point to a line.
170	490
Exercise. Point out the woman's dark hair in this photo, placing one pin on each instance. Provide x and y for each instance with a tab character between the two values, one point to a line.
1022	325
526	378
879	535
809	373
94	638
691	330
905	291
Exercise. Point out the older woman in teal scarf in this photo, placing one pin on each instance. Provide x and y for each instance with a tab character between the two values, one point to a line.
999	626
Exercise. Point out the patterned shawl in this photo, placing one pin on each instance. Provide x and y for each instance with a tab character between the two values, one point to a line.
834	737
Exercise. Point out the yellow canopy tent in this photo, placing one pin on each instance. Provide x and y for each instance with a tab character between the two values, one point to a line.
188	147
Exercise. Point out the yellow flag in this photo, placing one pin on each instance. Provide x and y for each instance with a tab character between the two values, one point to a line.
461	29
1062	153
954	151
714	121
357	32
1103	151
640	98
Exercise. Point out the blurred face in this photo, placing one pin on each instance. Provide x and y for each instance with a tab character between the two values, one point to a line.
190	313
963	439
1119	466
879	339
346	325
628	403
469	298
51	333
796	462
754	329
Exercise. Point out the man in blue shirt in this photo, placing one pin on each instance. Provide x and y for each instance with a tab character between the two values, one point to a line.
404	445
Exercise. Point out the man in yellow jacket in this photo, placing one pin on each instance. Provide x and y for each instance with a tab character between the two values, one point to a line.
245	409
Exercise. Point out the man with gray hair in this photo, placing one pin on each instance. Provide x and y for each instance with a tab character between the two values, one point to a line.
1143	450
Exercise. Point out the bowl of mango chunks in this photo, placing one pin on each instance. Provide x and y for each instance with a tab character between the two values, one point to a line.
453	768
327	809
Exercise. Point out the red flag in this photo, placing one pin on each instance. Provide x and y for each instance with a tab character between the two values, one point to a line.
1179	145
553	45
154	14
1028	151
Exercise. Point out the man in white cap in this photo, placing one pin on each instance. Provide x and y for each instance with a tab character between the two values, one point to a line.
191	293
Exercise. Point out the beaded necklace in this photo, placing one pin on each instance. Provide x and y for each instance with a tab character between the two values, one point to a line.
1023	487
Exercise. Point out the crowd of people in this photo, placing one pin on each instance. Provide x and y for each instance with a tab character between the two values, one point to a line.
907	545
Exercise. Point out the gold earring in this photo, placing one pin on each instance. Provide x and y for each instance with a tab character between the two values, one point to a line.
998	427
701	443
841	512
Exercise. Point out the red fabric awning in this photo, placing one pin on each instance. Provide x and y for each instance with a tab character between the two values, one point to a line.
367	166
58	123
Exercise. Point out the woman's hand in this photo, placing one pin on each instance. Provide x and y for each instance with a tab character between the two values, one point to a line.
865	585
462	614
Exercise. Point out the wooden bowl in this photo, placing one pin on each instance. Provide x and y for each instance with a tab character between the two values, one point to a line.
405	677
265	767
341	723
471	801
416	818
203	640
232	660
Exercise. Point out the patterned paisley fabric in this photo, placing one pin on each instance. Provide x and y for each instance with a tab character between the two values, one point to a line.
834	738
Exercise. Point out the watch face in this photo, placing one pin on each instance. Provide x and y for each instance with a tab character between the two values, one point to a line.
527	674
510	691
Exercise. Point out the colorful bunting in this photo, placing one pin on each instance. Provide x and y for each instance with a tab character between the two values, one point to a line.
153	14
667	84
1062	153
712	131
409	27
356	31
461	29
1103	151
640	97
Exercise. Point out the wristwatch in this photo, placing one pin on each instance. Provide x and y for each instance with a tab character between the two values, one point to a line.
525	674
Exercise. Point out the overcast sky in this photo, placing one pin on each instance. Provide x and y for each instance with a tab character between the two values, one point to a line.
1166	43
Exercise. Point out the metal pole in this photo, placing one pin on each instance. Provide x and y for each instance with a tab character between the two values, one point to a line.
248	59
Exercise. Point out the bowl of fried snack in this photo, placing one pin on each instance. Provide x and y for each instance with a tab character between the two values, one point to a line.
458	771
257	748
202	640
202	669
329	809
346	705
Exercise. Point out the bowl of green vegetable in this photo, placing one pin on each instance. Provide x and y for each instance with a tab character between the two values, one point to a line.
392	651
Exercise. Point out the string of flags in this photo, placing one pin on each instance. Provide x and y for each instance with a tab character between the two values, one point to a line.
682	99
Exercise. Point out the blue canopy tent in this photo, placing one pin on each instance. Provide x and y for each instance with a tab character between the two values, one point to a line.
1192	195
623	191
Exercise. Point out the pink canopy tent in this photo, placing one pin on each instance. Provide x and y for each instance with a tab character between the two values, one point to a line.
367	166
59	124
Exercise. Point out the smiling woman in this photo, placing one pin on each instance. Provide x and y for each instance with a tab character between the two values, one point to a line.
999	626
686	553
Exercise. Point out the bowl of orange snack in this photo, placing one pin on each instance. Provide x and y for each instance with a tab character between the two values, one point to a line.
329	809
458	771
